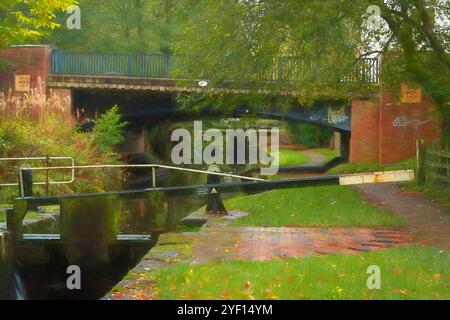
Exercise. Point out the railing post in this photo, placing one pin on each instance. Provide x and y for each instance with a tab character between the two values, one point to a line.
26	181
154	177
26	184
130	64
166	66
421	156
47	164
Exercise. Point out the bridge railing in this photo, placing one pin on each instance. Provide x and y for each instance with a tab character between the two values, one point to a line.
156	65
131	65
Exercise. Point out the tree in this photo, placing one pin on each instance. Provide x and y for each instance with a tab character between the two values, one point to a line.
27	21
245	38
422	33
115	26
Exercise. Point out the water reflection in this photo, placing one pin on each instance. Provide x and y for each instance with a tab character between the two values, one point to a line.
89	229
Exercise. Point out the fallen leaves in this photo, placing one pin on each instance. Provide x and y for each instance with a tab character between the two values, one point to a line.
270	295
436	276
397	271
404	292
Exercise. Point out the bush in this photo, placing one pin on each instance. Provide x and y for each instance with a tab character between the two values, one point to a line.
306	134
36	125
108	130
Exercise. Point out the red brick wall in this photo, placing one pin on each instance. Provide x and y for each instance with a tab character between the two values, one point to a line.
386	132
401	124
365	132
33	61
63	98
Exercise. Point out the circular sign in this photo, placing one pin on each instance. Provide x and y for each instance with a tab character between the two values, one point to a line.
203	83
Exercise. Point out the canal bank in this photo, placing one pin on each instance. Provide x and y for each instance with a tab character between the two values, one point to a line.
219	243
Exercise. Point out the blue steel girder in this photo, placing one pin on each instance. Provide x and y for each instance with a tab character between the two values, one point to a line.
336	116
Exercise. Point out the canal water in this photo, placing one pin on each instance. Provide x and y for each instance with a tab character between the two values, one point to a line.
88	229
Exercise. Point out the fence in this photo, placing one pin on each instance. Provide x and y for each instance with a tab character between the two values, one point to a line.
156	65
131	65
438	163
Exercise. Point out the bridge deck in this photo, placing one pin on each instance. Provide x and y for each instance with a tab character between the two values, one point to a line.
163	67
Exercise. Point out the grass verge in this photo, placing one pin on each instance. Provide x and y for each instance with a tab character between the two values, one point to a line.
434	193
323	206
406	273
292	158
371	167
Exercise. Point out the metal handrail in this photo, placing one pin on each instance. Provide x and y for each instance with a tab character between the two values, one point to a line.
72	178
159	65
152	166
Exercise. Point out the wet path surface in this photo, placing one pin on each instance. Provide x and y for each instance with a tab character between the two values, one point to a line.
217	241
427	221
268	243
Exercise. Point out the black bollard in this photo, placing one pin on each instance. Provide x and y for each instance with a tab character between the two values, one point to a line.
26	185
214	204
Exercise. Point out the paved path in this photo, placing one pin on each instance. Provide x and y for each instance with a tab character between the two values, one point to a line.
315	158
217	241
427	221
221	243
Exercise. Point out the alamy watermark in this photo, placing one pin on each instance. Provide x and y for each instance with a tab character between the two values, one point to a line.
238	144
374	279
73	22
73	281
373	21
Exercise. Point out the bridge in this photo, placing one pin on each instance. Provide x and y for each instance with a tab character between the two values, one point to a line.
162	71
383	130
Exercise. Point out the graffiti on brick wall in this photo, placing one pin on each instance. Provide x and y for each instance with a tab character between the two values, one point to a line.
336	116
402	121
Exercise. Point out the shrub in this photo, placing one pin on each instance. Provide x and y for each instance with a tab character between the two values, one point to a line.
37	125
310	135
108	130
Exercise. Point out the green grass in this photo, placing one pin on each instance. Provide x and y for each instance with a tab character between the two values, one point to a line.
371	167
313	206
292	158
406	273
441	194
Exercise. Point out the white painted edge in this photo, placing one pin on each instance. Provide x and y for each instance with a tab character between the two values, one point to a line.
376	177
